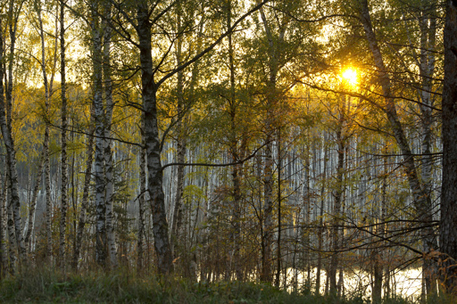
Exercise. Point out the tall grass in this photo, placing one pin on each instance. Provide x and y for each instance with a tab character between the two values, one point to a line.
48	286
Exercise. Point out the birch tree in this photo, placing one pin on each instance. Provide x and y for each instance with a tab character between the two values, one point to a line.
6	122
97	51
63	159
108	118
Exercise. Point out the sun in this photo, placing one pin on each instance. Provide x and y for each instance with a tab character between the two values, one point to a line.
350	76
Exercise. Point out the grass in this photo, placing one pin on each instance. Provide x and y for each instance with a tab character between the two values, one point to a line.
46	286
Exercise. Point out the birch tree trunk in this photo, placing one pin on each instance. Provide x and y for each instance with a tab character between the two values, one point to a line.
45	153
320	235
234	151
6	129
338	195
108	154
278	243
378	253
427	25
46	162
100	225
266	274
151	132
64	166
180	152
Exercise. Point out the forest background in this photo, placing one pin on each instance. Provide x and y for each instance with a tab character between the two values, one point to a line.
290	142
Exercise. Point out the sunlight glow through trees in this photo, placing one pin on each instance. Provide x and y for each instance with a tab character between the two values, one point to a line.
350	77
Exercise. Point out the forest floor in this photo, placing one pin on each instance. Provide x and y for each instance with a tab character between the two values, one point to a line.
54	287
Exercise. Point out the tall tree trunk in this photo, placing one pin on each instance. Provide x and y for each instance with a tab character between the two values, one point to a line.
266	274
321	228
151	132
378	253
308	199
100	206
272	102
49	209
278	245
268	169
427	25
338	195
234	151
177	212
448	224
180	158
180	142
64	166
46	162
6	129
75	184
108	154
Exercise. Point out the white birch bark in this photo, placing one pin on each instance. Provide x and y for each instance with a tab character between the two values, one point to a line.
6	129
100	225
108	154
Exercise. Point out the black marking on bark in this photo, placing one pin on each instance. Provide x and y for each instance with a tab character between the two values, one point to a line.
454	49
454	3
